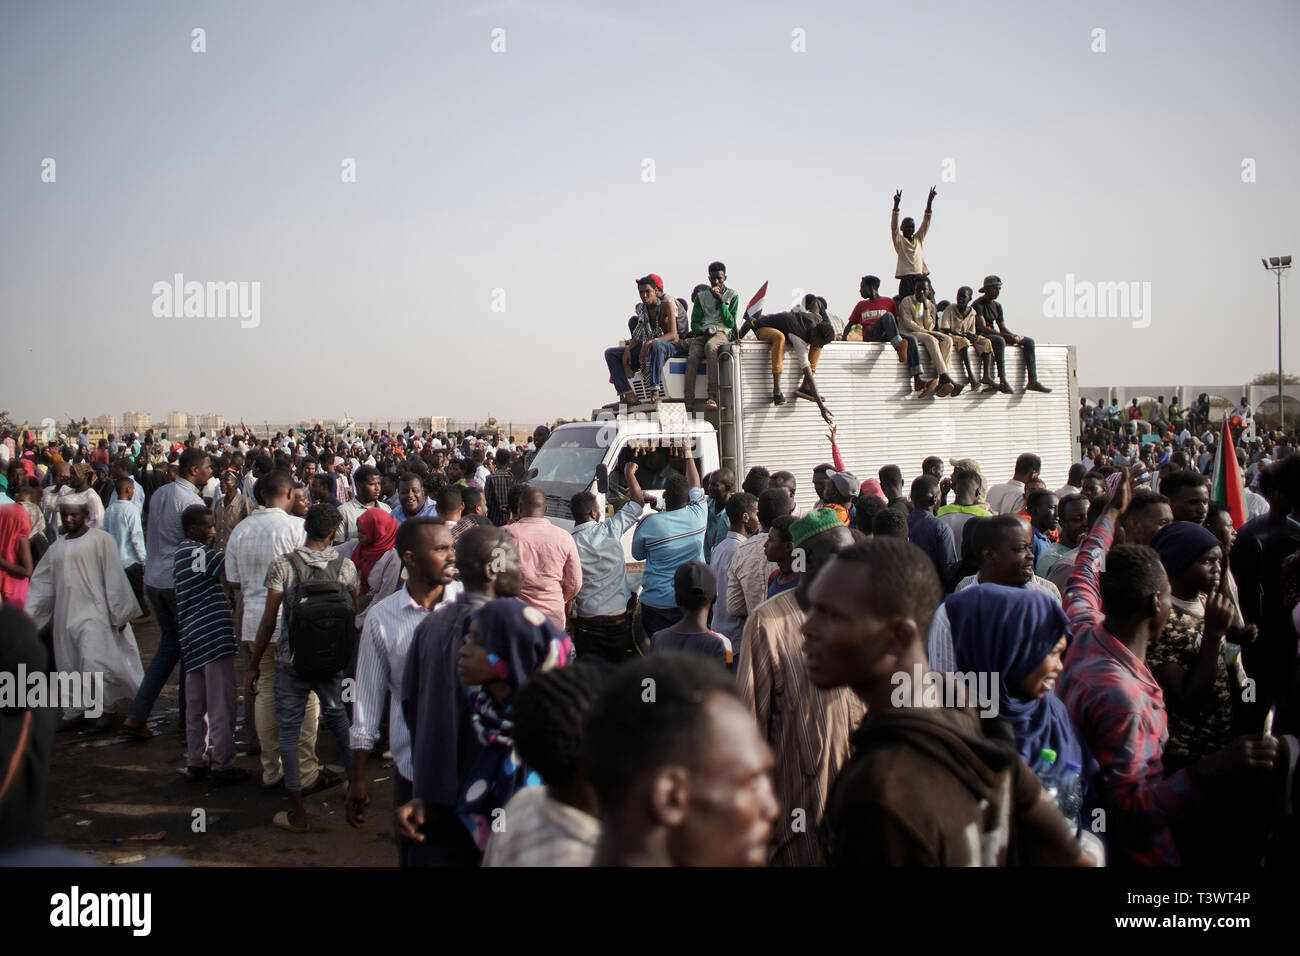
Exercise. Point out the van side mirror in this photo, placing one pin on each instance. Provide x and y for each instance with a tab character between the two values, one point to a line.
602	478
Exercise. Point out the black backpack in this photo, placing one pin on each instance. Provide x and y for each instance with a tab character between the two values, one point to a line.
319	617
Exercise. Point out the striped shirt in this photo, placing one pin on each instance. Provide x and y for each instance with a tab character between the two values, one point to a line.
496	495
747	576
207	631
381	662
808	729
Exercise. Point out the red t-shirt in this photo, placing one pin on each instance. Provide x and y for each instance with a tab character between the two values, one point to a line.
868	311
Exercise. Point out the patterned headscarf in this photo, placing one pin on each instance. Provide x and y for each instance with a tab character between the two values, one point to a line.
519	641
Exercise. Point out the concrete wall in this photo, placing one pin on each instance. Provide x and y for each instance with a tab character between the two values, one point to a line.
1188	393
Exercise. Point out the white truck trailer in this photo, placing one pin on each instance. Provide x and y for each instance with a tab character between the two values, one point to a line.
879	421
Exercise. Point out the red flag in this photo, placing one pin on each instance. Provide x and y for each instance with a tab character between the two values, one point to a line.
1228	488
755	306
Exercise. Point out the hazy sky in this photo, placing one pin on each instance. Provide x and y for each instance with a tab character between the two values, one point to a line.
523	171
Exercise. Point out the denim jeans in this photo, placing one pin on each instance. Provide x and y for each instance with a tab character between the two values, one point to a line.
291	693
652	371
165	658
655	619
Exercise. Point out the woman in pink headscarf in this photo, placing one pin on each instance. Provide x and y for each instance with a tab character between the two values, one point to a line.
15	555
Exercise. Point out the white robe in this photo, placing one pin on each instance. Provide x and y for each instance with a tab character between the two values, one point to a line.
80	584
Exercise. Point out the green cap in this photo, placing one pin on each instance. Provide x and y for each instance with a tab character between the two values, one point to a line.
1047	754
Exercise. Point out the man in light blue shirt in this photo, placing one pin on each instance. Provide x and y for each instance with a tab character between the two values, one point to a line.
124	524
667	540
601	625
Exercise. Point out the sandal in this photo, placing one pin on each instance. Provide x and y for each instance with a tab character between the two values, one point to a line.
282	821
139	733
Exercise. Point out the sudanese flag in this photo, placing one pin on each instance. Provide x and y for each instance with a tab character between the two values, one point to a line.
1228	488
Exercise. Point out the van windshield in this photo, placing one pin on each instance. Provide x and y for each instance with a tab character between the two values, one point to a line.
570	457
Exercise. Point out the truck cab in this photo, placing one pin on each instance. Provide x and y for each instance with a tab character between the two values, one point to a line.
589	456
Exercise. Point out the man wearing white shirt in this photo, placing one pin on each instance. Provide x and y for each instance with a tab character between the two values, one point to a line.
256	542
1074	483
1008	498
369	486
428	555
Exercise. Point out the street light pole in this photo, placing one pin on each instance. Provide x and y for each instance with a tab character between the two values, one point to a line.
1277	265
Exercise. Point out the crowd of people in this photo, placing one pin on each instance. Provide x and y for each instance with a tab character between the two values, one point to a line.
744	702
951	334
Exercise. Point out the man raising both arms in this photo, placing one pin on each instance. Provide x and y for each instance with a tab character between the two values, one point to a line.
907	241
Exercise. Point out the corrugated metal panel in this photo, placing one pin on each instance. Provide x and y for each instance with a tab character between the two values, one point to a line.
880	422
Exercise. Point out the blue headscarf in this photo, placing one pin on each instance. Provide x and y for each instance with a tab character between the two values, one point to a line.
519	640
1009	631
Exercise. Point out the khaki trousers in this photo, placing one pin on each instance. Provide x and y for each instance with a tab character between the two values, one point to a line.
776	339
936	344
269	737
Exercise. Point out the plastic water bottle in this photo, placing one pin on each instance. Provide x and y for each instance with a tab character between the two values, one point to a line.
1069	795
1045	768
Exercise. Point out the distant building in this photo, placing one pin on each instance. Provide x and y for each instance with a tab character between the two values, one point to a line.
137	422
177	421
107	424
209	423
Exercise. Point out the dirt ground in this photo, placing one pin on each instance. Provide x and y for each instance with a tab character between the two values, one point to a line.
106	790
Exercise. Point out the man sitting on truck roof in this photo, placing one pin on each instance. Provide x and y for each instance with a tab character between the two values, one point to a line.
917	315
873	320
713	322
989	323
654	340
806	333
958	320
